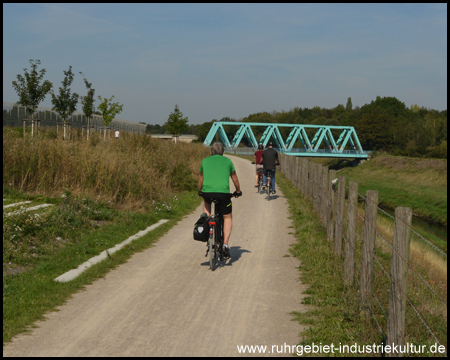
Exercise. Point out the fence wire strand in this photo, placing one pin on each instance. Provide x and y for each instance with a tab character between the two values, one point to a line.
429	242
421	317
416	311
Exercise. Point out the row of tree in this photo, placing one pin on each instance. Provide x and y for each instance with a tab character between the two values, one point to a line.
32	90
385	124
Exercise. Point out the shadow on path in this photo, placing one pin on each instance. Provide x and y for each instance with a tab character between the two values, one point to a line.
235	252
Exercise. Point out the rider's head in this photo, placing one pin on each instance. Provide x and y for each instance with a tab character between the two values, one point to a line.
217	149
270	144
260	147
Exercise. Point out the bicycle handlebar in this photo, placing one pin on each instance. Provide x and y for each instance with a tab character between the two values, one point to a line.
236	195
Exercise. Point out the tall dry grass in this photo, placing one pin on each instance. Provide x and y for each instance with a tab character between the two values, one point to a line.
134	168
427	281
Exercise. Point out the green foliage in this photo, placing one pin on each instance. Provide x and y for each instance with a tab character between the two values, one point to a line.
339	113
331	308
336	315
385	124
65	103
349	106
156	129
87	101
182	178
14	131
29	88
387	105
29	289
109	109
373	130
439	151
420	184
176	124
31	235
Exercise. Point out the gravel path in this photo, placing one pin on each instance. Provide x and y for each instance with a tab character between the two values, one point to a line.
166	302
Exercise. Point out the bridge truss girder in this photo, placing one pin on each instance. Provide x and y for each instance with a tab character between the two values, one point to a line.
323	135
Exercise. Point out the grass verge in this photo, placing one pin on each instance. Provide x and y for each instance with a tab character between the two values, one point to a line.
41	248
420	184
335	315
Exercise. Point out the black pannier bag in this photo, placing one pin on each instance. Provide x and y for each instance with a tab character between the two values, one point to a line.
201	228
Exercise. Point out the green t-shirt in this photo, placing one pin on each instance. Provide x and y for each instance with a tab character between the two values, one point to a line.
216	174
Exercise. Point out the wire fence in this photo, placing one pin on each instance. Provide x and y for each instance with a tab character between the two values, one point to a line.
14	114
420	316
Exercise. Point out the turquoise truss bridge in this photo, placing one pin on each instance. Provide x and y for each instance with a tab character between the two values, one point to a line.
321	144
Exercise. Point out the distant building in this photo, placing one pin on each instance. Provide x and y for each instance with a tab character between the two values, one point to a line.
182	138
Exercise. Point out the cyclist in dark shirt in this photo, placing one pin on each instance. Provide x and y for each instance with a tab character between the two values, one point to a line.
269	159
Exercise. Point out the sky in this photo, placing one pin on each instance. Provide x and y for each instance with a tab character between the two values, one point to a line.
232	60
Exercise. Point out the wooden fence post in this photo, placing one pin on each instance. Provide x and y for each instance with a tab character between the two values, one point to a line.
349	263
399	278
314	173
294	170
324	195
300	174
331	207
310	181
289	167
316	187
286	166
298	177
368	247
304	186
312	167
340	209
292	166
319	188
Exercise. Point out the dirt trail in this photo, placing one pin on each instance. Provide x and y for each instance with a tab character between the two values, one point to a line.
166	302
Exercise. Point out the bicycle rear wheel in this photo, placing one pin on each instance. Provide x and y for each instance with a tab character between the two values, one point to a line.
212	252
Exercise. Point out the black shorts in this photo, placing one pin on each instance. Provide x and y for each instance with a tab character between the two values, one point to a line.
224	201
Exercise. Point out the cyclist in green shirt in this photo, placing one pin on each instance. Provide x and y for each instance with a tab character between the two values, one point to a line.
213	183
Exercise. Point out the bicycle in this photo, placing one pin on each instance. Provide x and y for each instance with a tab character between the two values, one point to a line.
269	183
216	238
260	180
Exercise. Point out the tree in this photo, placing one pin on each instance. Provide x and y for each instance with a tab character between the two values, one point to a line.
349	105
339	113
109	109
29	88
176	123
65	103
374	131
388	105
87	103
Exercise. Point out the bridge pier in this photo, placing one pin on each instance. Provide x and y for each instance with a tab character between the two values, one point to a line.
356	162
